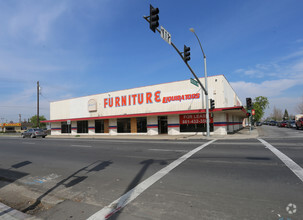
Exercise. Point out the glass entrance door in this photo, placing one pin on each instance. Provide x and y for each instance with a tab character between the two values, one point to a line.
162	125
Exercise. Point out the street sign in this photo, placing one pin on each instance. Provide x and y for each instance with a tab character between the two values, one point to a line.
68	122
194	82
165	35
253	112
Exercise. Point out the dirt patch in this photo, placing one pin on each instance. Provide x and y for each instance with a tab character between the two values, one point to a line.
20	198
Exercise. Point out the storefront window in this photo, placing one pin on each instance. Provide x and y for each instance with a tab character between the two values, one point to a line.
99	126
65	128
141	125
10	128
82	126
123	125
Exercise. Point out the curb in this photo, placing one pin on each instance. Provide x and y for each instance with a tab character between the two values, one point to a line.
8	213
241	134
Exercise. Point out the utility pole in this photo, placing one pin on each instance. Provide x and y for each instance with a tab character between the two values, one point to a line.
38	88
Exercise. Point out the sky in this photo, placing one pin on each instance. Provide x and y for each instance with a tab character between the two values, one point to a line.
78	48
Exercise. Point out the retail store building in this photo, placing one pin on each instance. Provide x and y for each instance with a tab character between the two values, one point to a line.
171	108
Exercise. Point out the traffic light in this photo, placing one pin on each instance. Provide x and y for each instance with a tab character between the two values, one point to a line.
212	104
153	18
248	103
186	53
248	114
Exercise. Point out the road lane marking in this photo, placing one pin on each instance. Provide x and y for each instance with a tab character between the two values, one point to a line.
154	149
128	197
295	168
76	145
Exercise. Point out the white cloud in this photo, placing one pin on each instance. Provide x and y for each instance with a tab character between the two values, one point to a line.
294	55
35	20
268	88
284	77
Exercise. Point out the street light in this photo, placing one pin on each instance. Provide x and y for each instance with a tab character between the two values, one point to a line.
206	87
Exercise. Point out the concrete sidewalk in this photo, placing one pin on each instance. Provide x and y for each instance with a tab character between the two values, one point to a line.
242	134
8	213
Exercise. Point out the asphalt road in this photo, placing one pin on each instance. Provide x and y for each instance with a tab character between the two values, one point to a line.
193	179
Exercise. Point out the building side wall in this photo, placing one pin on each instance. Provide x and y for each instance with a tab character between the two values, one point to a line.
175	96
161	98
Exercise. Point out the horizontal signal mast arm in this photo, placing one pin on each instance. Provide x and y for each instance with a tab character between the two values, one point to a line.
191	70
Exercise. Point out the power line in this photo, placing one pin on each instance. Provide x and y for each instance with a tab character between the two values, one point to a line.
19	106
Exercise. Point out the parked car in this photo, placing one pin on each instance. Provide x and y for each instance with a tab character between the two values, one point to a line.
299	123
273	123
258	123
34	132
291	124
283	124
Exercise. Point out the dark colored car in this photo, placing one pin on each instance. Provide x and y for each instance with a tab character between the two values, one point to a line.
34	132
273	123
258	123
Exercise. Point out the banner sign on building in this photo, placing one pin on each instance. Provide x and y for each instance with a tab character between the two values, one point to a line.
10	125
195	119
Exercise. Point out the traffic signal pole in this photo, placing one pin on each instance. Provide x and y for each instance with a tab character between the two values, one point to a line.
147	18
191	70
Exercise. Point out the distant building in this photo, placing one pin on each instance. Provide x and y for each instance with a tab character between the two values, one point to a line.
10	127
170	108
26	125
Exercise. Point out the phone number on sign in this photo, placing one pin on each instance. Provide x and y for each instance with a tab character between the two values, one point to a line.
194	121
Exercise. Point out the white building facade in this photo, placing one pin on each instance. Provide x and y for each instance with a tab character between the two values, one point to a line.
173	108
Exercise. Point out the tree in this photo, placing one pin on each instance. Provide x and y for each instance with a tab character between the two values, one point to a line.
285	116
277	114
33	120
259	105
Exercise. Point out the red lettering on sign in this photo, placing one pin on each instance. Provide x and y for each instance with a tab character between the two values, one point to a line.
123	100
140	98
117	100
157	96
134	98
148	97
105	102
111	102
